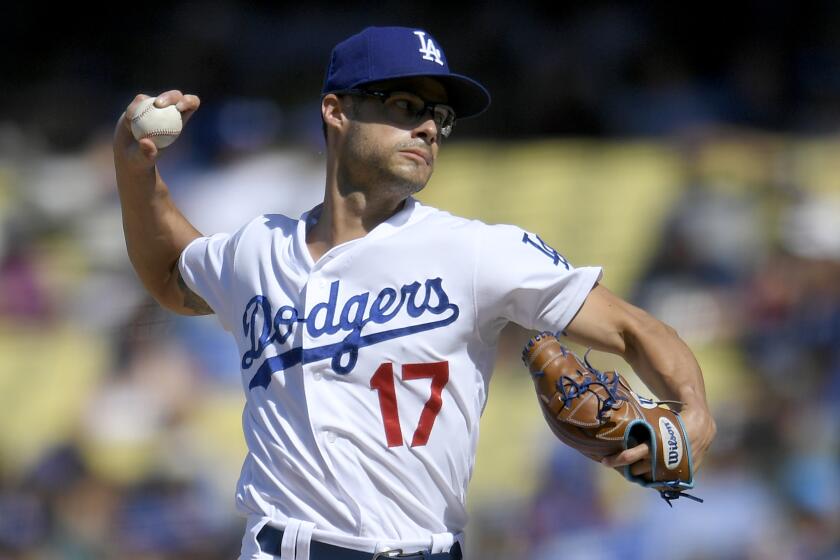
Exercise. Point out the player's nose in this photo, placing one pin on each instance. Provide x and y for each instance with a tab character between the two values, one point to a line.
427	130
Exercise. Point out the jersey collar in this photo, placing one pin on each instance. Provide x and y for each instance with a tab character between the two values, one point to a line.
411	211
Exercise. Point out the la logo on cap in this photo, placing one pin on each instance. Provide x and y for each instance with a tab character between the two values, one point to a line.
427	48
376	54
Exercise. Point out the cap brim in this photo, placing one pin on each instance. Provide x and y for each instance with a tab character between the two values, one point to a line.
466	96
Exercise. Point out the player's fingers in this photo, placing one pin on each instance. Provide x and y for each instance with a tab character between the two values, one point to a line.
148	149
187	106
187	103
131	110
171	97
132	107
627	457
640	468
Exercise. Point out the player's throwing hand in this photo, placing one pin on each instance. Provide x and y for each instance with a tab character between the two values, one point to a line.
143	153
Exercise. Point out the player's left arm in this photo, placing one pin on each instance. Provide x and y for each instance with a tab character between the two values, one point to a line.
658	356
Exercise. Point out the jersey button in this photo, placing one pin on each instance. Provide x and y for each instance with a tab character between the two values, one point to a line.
331	437
317	376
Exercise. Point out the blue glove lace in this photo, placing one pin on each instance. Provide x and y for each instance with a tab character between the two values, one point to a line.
570	389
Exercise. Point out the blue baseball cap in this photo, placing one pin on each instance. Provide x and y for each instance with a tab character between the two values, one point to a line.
385	53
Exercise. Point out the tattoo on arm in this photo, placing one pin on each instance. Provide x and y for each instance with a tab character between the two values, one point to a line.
193	301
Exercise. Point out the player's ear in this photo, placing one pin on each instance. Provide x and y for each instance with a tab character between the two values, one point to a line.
333	111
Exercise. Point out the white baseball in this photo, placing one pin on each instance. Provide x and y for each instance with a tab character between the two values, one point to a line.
162	126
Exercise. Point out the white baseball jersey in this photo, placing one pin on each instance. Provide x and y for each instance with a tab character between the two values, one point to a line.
366	372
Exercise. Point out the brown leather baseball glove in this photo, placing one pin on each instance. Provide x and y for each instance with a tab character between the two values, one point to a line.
598	414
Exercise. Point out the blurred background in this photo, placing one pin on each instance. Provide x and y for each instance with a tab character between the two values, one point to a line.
691	152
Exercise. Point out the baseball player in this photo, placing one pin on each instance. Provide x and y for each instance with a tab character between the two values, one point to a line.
367	328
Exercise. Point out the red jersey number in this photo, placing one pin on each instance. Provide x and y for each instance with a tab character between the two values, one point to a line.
383	383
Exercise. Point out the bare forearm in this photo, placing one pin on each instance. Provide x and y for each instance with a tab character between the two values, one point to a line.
664	362
156	232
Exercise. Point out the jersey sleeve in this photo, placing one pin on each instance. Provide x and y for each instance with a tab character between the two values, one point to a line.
207	266
520	278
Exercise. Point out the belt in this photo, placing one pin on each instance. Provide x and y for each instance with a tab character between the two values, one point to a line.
270	539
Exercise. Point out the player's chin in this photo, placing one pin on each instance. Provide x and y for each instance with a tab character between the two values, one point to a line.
406	186
413	174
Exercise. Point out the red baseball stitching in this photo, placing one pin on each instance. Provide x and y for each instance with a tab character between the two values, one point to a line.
146	110
163	132
160	133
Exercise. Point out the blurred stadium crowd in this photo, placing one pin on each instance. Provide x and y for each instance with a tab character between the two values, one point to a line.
596	68
699	168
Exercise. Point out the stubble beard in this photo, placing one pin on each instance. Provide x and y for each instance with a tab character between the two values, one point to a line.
370	167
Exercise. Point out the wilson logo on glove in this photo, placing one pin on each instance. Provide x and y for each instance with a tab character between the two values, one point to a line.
673	443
